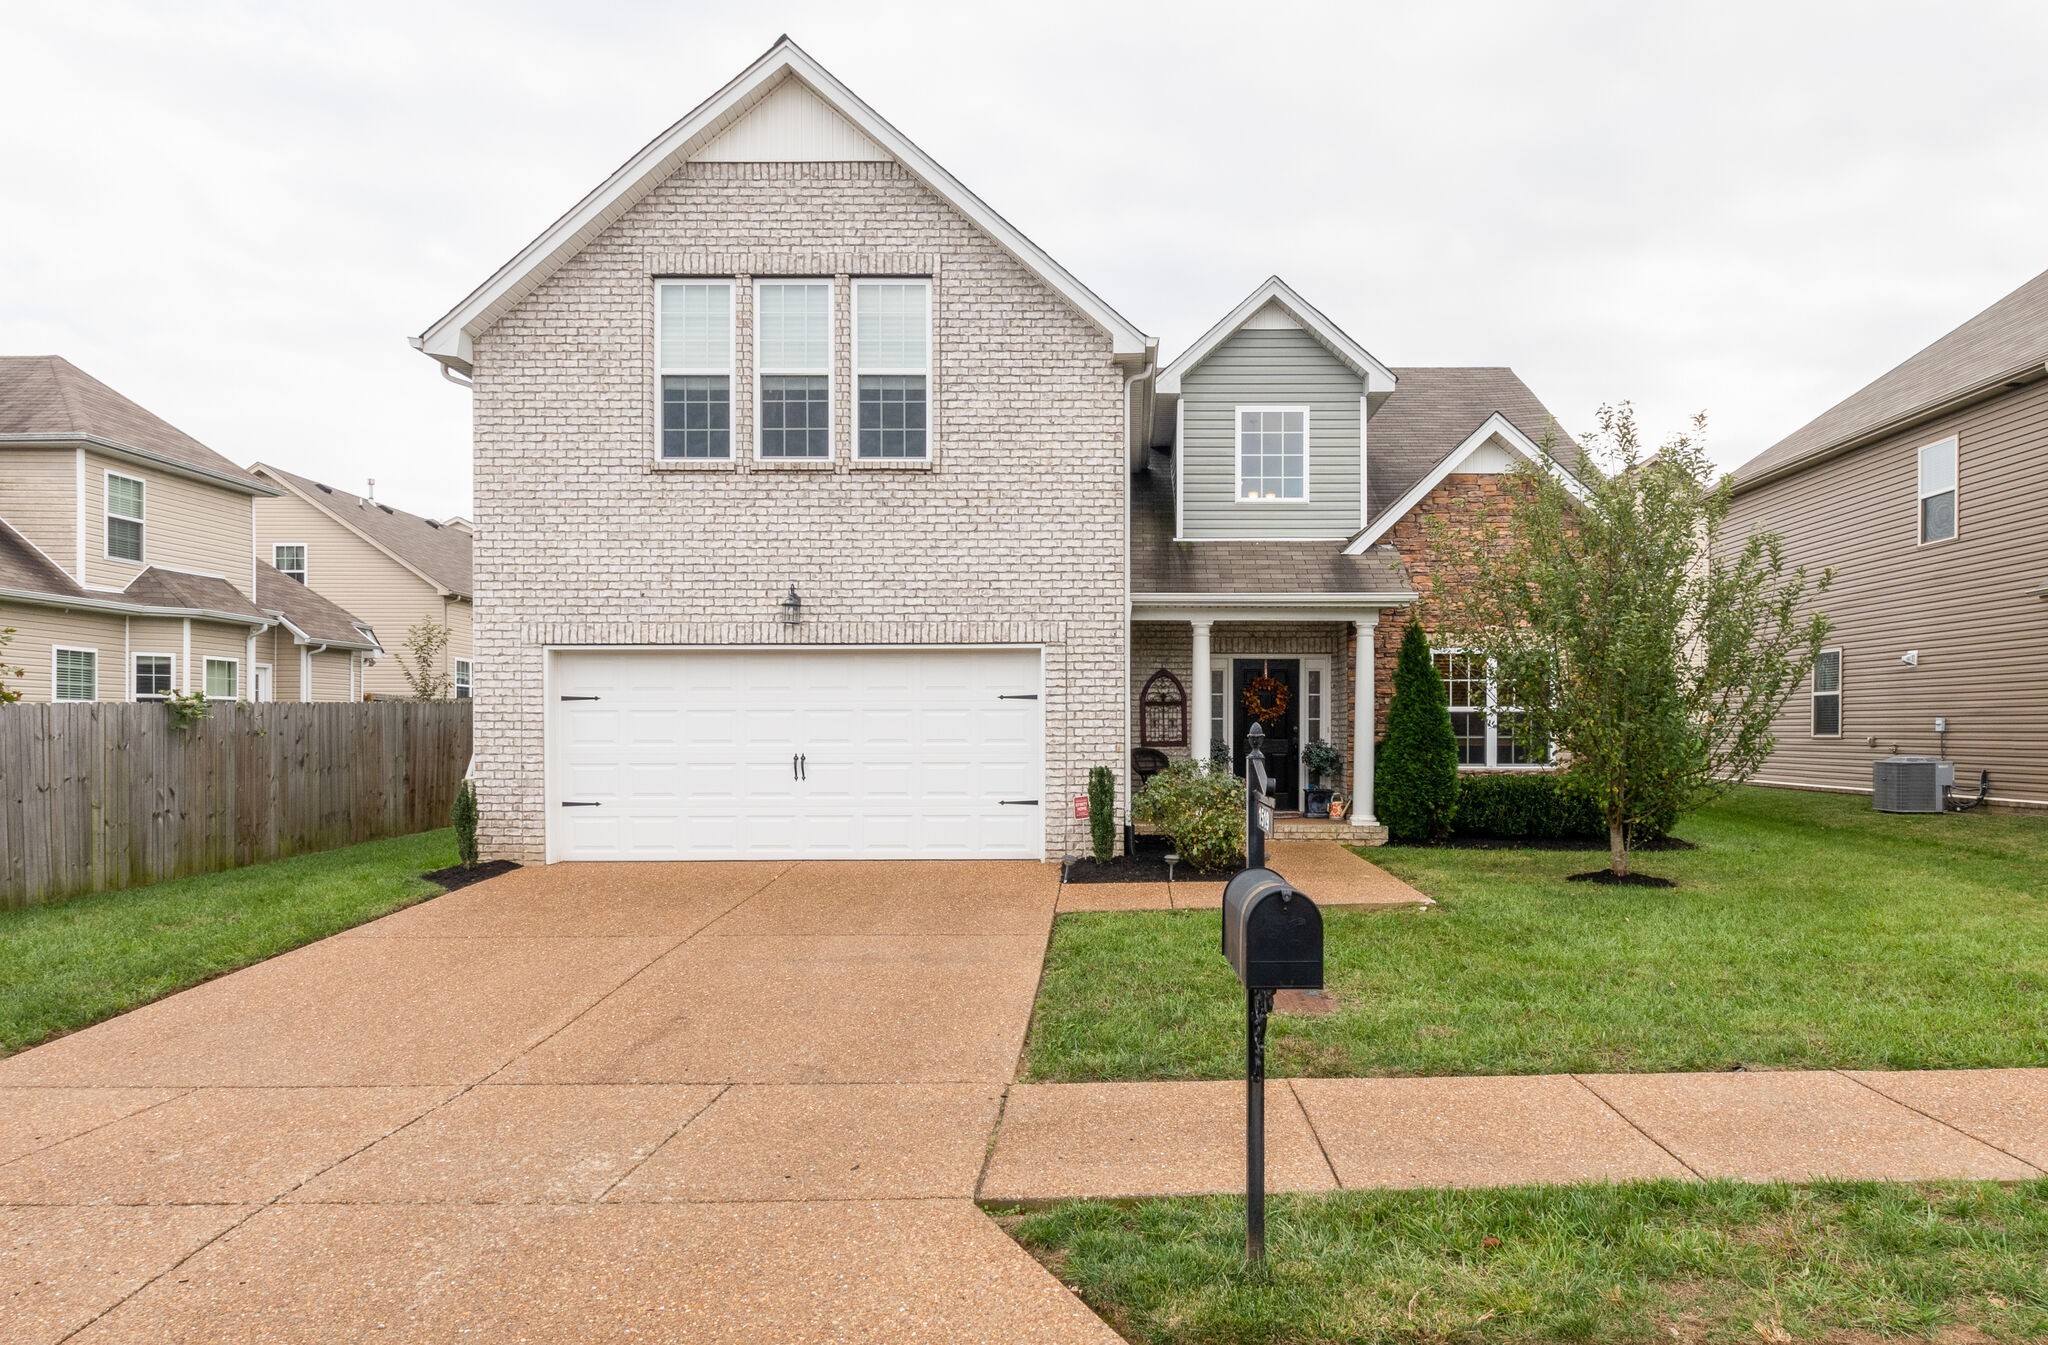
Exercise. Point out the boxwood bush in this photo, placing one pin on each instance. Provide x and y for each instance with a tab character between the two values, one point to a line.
1536	806
1201	810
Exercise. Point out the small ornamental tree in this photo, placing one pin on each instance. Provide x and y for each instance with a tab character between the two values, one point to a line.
420	662
1102	812
1650	648
8	695
1415	783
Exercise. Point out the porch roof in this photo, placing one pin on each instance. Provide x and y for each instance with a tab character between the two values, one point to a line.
1311	573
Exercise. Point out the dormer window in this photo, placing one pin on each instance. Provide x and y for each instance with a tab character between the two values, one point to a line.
1272	454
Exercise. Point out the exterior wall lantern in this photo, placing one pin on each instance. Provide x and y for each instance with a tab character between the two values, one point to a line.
792	608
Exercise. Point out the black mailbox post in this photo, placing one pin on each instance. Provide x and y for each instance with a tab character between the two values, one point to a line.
1273	940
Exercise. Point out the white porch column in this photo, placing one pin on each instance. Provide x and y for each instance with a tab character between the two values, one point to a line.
1362	726
1198	694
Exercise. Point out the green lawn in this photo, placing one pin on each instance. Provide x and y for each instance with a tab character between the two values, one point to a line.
73	963
1806	930
1662	1261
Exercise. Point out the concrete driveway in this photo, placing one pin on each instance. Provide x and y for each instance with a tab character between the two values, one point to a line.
596	1102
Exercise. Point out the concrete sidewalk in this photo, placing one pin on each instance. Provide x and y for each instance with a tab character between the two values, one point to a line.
723	1102
1059	1141
1333	874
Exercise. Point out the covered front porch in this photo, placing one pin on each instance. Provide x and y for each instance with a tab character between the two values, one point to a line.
1204	671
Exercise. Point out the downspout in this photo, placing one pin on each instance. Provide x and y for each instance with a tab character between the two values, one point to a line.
1123	768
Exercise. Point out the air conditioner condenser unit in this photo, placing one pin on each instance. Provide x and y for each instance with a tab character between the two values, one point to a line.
1911	784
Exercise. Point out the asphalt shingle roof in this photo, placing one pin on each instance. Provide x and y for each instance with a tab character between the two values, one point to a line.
442	553
319	617
175	588
2009	336
27	570
1433	410
49	395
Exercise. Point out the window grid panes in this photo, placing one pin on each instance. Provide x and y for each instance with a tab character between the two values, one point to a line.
77	673
1489	732
793	327
1938	491
1827	694
124	517
1219	713
892	364
462	679
1272	454
694	353
290	561
221	676
152	676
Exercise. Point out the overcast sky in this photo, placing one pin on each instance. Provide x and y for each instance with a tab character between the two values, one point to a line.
236	214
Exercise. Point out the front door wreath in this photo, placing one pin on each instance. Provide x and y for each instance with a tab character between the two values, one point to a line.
1265	699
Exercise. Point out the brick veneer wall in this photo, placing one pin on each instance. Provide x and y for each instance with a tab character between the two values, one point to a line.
1014	533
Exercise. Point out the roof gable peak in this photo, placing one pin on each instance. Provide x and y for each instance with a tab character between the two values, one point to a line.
1256	310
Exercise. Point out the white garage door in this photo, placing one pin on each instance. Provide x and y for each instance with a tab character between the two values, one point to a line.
786	754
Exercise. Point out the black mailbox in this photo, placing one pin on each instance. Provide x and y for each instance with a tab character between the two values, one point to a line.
1272	933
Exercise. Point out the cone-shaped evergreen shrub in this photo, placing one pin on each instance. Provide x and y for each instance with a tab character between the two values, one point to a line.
1415	783
1102	812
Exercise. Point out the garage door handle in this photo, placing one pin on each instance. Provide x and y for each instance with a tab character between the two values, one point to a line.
579	698
578	803
1021	803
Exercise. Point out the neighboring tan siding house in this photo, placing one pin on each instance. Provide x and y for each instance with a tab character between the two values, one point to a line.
125	548
1926	493
392	570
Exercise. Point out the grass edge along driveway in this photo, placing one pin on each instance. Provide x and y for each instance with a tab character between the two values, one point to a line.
1672	1261
73	963
1807	931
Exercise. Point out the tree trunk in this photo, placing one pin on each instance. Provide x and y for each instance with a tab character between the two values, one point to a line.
1617	848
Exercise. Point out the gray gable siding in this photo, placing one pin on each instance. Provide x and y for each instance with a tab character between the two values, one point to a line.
1265	367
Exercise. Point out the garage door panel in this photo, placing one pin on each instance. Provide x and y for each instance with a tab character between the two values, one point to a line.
689	754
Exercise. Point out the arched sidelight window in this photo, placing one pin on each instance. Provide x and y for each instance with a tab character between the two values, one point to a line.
1163	712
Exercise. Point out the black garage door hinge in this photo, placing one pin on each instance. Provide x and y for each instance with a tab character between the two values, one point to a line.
579	698
1019	696
1022	803
578	803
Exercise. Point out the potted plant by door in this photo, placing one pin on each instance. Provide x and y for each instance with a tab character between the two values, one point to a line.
1322	761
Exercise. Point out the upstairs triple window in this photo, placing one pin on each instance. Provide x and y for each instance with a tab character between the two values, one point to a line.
1272	454
124	517
694	352
892	367
793	351
1938	491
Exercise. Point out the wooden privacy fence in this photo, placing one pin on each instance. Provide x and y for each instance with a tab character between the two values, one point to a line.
109	795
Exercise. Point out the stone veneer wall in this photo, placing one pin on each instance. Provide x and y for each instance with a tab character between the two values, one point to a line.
1013	533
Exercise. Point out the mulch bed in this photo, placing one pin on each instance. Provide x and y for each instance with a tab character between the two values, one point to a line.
1145	863
455	876
1609	878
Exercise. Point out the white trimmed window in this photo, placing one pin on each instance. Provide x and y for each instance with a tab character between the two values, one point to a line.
223	675
793	355
694	355
892	367
462	679
124	517
1272	454
1938	491
1491	732
75	674
1219	712
1312	727
290	560
1827	694
154	676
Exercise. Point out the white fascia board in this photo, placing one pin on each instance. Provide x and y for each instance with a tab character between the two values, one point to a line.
1260	606
1378	377
140	456
449	340
1495	426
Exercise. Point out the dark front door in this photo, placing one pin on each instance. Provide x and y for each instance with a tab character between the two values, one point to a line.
1272	682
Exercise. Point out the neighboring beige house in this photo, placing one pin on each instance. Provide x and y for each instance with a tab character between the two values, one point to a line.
391	569
820	504
125	552
1927	492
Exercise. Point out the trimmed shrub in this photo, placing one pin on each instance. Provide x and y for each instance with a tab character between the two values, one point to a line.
1102	812
462	816
1415	774
1200	810
1538	806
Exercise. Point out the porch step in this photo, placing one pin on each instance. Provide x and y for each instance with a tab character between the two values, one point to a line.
1323	829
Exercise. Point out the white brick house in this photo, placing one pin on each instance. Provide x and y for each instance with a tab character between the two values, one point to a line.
781	351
